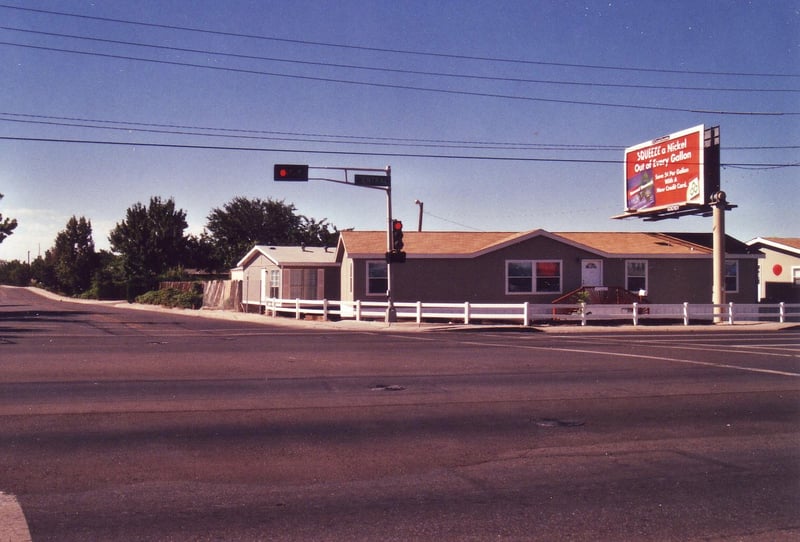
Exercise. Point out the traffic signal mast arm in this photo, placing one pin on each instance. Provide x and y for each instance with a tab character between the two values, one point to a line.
299	173
394	229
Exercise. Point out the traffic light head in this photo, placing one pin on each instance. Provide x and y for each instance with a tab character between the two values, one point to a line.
397	235
291	172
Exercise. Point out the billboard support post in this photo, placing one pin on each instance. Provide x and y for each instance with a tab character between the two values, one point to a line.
718	204
679	175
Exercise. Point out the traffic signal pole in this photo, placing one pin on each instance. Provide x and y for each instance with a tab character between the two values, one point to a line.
391	311
299	173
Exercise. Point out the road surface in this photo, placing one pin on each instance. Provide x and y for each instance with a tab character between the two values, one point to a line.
120	424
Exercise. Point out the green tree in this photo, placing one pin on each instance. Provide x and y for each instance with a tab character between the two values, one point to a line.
7	225
15	273
150	240
242	223
318	233
73	256
203	254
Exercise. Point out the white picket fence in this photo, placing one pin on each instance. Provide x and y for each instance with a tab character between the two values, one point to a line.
529	313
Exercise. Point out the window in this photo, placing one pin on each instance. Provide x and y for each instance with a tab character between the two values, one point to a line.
520	277
274	283
795	275
533	276
731	276
548	277
302	283
377	278
352	277
636	275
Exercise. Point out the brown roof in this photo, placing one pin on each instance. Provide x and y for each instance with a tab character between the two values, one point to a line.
793	242
470	244
787	244
436	243
627	243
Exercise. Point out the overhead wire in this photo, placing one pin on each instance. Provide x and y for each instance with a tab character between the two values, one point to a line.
178	129
359	153
593	84
396	51
408	142
410	87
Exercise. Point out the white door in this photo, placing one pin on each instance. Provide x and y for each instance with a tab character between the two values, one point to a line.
263	287
591	272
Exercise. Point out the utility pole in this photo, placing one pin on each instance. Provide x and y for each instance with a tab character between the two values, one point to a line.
421	205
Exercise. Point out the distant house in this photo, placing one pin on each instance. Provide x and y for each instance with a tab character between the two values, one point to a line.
295	272
539	266
779	271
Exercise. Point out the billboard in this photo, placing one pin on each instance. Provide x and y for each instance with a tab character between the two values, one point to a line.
671	173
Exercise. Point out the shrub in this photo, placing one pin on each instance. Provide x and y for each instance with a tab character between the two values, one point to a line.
172	298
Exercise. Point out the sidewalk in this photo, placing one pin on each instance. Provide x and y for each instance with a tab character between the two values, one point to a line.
413	327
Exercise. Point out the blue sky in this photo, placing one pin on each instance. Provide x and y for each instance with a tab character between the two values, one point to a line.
497	115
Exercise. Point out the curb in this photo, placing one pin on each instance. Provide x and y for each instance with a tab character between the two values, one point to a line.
12	519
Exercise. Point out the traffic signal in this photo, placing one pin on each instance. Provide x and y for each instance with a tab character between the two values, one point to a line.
291	172
397	236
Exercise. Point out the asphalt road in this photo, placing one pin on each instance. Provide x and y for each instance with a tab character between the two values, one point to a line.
120	424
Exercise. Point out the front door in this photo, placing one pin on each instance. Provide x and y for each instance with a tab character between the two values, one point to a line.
591	272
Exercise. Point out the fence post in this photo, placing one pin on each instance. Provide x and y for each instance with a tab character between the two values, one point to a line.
526	313
466	312
297	308
583	313
635	313
686	313
730	313
325	309
419	312
358	310
781	312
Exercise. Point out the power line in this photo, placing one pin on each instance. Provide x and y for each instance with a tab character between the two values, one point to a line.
592	84
333	139
408	87
78	122
393	51
360	153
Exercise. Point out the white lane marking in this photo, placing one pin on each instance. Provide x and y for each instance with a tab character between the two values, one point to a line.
638	356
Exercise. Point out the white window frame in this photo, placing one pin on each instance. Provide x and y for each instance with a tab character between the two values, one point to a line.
369	264
352	277
646	277
735	265
275	283
534	278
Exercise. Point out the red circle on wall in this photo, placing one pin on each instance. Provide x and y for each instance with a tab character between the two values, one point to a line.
777	269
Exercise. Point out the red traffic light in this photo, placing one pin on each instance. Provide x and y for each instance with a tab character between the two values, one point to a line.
397	236
291	172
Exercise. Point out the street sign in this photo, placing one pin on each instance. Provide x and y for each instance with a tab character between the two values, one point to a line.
372	180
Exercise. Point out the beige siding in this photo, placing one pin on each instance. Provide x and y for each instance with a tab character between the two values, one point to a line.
252	279
787	263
